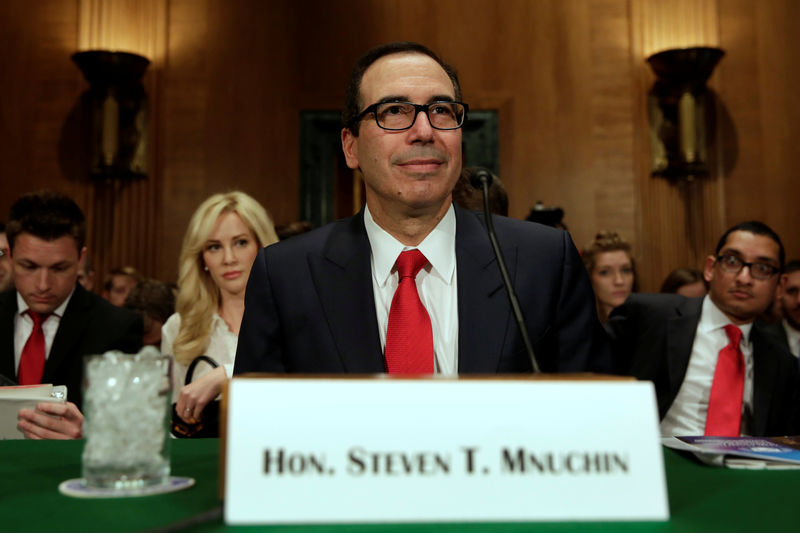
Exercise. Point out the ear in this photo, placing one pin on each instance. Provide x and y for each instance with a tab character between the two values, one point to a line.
784	279
82	256
350	148
708	269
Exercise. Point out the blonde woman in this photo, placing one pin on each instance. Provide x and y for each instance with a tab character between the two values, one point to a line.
220	245
611	270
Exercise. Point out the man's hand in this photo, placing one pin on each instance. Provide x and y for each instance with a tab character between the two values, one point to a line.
196	395
51	421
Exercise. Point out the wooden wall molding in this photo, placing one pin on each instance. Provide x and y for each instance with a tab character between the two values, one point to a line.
679	222
123	217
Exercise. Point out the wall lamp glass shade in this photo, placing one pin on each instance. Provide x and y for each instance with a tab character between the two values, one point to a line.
682	112
116	105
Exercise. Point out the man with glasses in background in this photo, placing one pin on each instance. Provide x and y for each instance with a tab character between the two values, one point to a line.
716	370
788	302
410	284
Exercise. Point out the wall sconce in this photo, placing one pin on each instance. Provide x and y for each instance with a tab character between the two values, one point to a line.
681	110
117	113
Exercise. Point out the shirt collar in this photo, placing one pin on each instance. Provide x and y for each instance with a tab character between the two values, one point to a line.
712	318
22	307
439	248
791	333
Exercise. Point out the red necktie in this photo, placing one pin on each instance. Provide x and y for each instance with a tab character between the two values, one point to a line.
409	338
725	403
31	363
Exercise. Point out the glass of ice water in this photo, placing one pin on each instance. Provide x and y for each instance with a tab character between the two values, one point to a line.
126	404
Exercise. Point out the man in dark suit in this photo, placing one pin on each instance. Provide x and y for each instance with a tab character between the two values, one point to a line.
677	342
325	301
787	331
49	322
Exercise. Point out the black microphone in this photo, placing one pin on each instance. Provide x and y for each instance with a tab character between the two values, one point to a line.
481	179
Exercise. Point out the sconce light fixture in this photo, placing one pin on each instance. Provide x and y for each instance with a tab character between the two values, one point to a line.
117	109
681	111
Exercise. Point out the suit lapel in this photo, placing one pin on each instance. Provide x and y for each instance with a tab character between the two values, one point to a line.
765	376
483	307
8	308
680	338
70	331
343	279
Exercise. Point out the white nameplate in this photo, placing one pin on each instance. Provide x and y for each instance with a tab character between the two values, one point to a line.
326	450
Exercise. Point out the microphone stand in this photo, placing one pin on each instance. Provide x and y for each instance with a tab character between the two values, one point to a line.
481	180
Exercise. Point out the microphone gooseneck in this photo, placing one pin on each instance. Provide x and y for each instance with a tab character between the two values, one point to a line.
481	179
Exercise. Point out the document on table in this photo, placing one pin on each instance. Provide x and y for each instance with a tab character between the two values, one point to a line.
12	399
754	453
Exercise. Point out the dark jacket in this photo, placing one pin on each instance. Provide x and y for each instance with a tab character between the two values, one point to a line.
652	338
90	325
309	305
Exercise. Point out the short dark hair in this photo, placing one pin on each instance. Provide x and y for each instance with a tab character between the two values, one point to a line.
2	227
680	277
352	98
468	197
792	266
151	298
48	215
756	228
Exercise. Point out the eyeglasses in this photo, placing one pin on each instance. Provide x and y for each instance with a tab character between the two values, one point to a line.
733	265
398	116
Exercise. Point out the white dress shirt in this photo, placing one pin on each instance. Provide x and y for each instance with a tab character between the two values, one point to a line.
221	348
793	338
23	327
436	284
687	414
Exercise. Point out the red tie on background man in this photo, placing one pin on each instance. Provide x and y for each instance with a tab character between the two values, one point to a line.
31	363
409	337
725	403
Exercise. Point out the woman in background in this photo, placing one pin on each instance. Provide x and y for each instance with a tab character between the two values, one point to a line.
687	282
611	270
220	245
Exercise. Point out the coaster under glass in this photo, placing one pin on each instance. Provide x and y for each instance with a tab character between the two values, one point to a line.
77	488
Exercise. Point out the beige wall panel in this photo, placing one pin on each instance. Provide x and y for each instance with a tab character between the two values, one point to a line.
678	221
759	85
229	113
38	87
568	78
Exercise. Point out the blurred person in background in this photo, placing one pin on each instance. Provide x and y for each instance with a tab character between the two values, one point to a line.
86	275
119	283
687	282
469	197
5	262
292	229
611	269
154	301
225	233
787	304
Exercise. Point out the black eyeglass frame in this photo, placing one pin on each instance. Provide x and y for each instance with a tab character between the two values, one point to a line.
749	265
417	108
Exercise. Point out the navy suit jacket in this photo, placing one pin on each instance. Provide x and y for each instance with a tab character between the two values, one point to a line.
652	339
310	308
90	325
